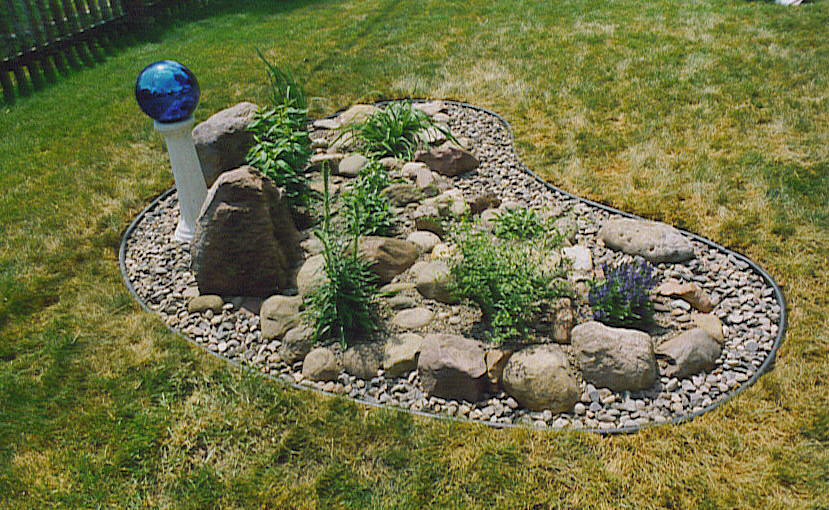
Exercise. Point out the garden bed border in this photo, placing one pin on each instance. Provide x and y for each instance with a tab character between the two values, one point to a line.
766	366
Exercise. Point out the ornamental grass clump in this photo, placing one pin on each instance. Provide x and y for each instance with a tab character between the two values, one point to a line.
367	211
342	308
623	297
395	131
282	143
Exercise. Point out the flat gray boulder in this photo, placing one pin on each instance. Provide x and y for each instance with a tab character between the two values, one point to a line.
223	140
452	367
245	243
690	353
539	378
615	358
656	242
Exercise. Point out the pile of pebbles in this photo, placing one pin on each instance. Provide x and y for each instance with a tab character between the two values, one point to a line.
157	268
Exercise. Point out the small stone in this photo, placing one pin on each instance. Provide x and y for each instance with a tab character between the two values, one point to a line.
206	302
414	318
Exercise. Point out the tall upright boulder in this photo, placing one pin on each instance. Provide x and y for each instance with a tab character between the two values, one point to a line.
246	243
223	140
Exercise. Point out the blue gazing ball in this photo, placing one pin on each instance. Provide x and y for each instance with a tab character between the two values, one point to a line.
167	91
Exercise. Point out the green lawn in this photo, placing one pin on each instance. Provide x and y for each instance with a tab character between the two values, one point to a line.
713	116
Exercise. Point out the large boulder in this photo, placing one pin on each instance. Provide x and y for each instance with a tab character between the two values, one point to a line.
689	353
424	240
448	159
539	377
363	360
245	243
615	358
400	354
278	314
452	367
321	364
311	275
657	242
356	113
223	140
296	344
433	281
387	256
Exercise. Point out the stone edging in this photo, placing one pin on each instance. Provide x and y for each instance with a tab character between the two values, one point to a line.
767	364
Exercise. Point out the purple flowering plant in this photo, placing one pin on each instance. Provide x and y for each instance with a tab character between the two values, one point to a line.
623	297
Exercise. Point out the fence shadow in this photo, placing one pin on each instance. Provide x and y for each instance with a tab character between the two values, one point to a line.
44	40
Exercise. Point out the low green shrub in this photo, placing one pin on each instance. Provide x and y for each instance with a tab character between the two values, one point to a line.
366	209
343	307
392	131
521	223
623	297
506	280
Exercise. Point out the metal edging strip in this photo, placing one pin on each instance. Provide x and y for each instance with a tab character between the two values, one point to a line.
764	367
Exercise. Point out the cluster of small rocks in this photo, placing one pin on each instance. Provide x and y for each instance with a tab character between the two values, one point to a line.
716	318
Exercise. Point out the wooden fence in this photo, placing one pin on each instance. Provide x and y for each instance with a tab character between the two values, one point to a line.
39	38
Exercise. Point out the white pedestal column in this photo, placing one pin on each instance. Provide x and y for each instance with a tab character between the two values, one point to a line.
190	186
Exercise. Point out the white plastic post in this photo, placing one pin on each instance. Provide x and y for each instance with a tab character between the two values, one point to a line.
190	185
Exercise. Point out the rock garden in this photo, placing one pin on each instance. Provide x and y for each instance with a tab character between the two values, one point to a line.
400	254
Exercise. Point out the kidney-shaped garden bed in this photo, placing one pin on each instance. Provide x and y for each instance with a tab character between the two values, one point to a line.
502	299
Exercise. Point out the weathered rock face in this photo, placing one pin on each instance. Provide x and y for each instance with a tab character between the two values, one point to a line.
690	353
278	314
433	281
452	367
388	256
539	377
448	159
363	360
615	358
496	360
688	291
656	242
400	354
582	262
321	364
223	140
245	243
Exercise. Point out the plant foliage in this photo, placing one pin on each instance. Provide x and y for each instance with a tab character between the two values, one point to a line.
395	131
367	210
506	280
343	307
282	144
623	297
521	223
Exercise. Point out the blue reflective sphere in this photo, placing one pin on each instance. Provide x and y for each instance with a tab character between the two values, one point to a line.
167	91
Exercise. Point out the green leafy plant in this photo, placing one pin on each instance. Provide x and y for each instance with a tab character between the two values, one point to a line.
367	210
282	144
521	223
506	280
343	307
281	151
392	131
623	297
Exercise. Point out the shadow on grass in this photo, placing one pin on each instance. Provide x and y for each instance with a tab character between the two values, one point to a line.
150	29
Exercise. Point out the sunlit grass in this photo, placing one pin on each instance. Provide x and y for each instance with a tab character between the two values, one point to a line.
713	116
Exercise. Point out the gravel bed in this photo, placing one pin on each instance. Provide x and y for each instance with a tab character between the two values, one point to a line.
157	269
